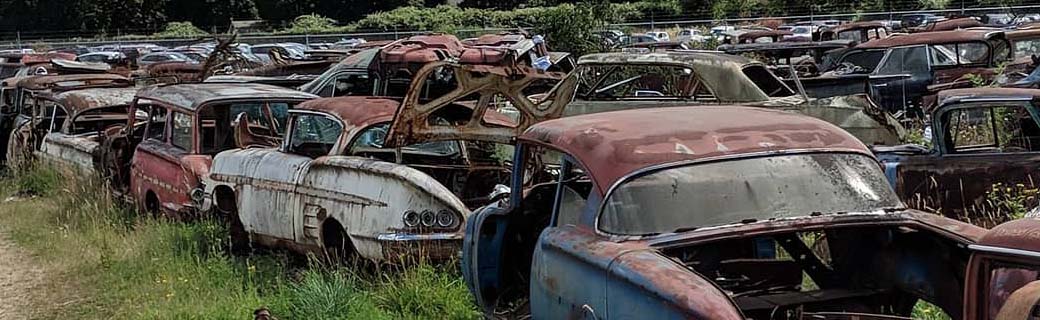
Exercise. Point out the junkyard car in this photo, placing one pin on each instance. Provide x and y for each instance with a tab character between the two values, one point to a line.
388	70
157	161
716	212
615	81
980	137
899	70
35	102
339	182
73	133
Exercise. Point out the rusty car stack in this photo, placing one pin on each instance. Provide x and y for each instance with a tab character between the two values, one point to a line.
849	174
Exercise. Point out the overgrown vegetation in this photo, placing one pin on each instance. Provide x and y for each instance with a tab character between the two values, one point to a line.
182	29
111	262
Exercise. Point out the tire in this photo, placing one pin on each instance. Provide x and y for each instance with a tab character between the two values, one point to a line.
151	205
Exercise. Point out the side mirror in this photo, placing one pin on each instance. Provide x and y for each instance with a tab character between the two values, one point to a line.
1023	304
499	192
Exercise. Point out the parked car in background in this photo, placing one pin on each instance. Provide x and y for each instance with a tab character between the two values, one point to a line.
800	32
718	31
263	51
156	159
859	32
162	57
682	213
691	35
919	19
637	38
980	138
659	35
109	57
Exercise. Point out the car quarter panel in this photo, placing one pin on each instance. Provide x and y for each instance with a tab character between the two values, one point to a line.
75	151
644	284
369	197
264	181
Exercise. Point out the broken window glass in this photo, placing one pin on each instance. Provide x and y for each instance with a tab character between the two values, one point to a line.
180	134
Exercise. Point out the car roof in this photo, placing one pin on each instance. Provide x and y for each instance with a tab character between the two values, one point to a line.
85	99
72	81
716	70
937	37
954	96
1016	235
191	96
613	145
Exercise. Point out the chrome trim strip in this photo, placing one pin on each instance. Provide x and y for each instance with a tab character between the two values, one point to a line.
417	237
1004	251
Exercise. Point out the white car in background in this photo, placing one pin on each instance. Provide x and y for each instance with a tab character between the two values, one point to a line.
719	31
800	32
659	35
691	35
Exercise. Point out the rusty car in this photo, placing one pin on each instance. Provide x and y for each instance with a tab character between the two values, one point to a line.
373	177
157	157
31	106
898	72
387	70
615	81
71	137
858	32
980	137
720	212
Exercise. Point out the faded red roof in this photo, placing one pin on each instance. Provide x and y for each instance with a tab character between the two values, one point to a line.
857	25
952	24
938	37
358	112
611	145
1021	234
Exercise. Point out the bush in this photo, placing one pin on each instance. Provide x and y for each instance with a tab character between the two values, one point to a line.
180	30
313	23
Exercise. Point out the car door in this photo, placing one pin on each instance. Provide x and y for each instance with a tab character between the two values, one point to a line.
157	176
1002	283
901	79
980	145
568	276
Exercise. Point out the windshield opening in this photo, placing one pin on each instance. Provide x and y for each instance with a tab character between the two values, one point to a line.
96	120
616	82
746	190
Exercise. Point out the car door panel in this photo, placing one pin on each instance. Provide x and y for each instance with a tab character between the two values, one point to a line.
78	152
156	167
568	275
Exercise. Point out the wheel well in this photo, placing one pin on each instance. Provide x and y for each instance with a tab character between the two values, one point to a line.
224	197
151	201
332	232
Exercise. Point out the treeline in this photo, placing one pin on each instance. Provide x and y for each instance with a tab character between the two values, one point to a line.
133	16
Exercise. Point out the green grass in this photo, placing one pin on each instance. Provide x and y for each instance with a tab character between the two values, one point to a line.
108	262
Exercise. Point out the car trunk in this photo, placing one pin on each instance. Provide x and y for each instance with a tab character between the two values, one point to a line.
874	269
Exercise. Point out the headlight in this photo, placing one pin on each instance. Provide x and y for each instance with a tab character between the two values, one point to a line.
198	196
411	219
428	218
445	219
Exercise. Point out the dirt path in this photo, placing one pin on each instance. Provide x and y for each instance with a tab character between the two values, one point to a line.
19	277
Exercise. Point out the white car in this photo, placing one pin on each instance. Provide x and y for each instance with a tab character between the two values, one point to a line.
659	35
800	32
719	31
691	35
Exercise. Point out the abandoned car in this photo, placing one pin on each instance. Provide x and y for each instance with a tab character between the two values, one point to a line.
35	102
980	137
388	70
898	71
717	212
615	81
157	161
71	136
348	179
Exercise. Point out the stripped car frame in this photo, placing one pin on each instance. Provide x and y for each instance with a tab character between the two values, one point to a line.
369	177
663	214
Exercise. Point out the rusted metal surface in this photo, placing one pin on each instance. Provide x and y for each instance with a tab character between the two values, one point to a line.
73	81
613	145
755	35
1014	235
193	96
939	37
289	69
411	123
951	24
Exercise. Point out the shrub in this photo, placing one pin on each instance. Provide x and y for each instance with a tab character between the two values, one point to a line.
313	23
180	30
